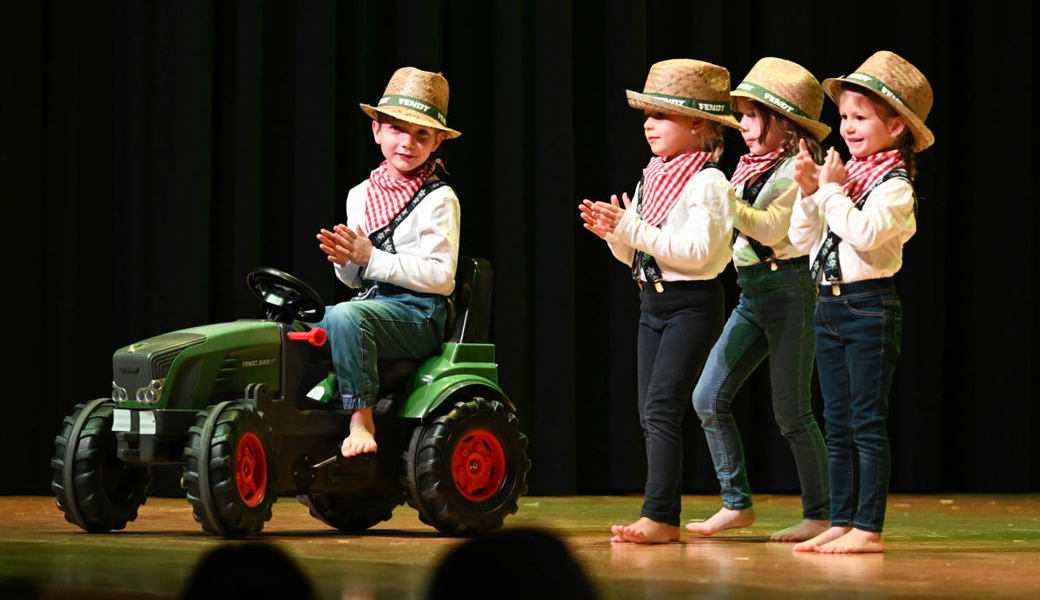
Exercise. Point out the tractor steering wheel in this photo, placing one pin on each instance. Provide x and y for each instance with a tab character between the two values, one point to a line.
285	298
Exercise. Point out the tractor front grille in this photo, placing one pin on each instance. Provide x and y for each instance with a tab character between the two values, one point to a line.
136	365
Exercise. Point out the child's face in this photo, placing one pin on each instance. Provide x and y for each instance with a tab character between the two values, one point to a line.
670	135
752	119
866	128
405	146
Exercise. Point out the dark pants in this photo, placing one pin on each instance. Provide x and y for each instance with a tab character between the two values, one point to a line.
857	344
677	329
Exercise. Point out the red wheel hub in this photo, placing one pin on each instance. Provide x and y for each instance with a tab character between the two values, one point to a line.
251	469
478	465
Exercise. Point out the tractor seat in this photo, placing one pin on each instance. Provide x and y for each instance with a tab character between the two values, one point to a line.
468	321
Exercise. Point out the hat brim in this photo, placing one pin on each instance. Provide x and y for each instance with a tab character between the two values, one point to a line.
923	137
409	115
645	102
815	128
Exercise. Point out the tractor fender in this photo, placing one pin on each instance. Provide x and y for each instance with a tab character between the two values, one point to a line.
425	401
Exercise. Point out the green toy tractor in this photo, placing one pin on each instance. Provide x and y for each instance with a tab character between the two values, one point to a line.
229	402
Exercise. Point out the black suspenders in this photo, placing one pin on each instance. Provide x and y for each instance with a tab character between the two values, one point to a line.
382	238
763	252
642	263
827	257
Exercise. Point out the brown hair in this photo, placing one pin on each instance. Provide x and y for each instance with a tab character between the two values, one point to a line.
792	132
712	138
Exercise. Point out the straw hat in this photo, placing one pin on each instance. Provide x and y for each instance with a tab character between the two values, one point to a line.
686	87
900	84
419	97
788	89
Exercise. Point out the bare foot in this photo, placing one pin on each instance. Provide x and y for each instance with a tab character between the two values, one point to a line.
854	542
803	530
726	518
825	537
645	531
362	436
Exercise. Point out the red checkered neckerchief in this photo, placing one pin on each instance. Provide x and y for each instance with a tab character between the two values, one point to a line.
663	181
862	174
387	196
753	165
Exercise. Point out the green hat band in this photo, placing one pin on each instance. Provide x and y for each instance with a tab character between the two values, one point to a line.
878	86
415	104
777	102
715	108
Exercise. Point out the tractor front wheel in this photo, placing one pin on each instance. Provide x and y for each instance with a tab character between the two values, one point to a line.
97	491
229	470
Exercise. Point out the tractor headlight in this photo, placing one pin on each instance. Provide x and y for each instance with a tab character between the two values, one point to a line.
119	393
151	393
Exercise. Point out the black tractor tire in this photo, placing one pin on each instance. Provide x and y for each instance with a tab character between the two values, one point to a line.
96	491
229	474
352	513
466	469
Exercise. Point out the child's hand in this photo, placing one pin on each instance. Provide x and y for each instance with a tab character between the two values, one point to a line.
833	169
332	244
356	244
588	214
343	245
806	171
602	218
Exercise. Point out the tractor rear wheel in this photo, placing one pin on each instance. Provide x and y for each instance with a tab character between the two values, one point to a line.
354	512
97	491
466	469
229	470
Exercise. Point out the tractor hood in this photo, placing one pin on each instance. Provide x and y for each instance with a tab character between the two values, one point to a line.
193	367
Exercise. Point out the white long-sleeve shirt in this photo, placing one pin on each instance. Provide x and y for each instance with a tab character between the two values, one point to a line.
426	241
768	219
871	239
693	240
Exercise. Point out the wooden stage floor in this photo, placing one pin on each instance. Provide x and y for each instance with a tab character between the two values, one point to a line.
946	546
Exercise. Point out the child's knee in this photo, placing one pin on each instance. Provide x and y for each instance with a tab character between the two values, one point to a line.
706	398
343	317
702	402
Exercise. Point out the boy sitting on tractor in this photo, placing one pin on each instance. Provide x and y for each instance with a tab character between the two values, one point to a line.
399	246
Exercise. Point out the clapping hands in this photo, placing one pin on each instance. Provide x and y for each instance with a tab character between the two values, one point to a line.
343	245
601	218
811	176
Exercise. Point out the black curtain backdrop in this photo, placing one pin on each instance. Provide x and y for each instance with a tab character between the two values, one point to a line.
153	153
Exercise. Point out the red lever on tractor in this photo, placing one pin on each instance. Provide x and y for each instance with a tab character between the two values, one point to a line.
316	336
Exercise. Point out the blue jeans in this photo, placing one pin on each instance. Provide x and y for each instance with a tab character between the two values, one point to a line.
773	318
364	330
857	344
676	331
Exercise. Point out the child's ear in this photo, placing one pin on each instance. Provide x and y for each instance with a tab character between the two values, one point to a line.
375	130
896	127
438	138
695	124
